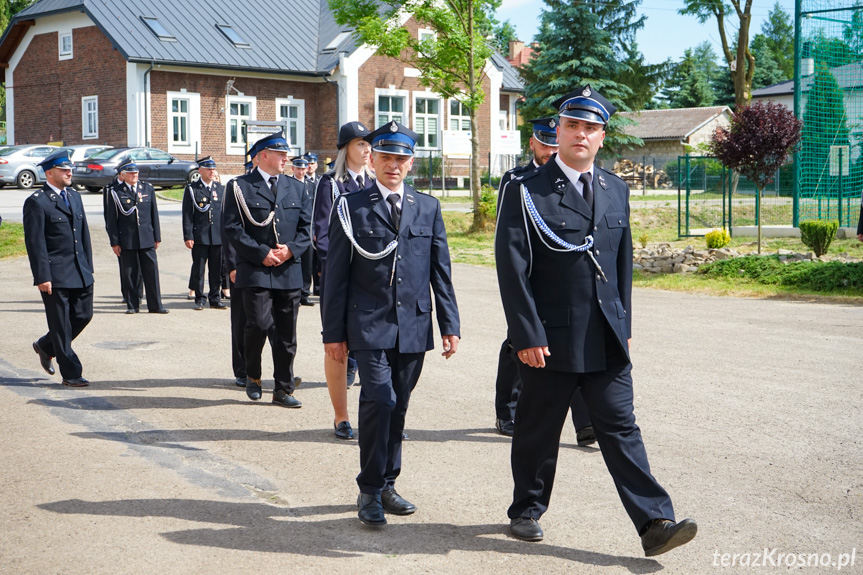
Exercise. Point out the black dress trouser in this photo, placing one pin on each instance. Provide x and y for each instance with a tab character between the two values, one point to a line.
271	310
137	263
68	312
211	258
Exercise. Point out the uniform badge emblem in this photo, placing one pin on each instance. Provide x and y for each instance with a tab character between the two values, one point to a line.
393	127
557	181
586	93
200	204
551	123
128	201
602	181
360	127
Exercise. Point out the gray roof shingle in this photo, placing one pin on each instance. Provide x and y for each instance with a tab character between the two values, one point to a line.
671	124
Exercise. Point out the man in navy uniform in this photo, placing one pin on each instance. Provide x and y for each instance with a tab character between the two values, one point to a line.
58	244
313	178
378	305
132	221
202	233
543	145
299	168
860	223
267	220
564	261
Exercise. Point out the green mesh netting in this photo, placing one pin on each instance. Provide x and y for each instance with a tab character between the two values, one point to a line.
831	105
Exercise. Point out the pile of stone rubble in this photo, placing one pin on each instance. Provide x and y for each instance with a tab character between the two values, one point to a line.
662	258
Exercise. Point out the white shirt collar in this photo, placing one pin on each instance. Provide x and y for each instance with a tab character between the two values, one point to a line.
56	189
573	174
354	175
385	192
266	175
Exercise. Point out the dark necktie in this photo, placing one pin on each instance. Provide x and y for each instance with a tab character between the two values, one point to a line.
65	198
586	189
395	212
273	181
360	181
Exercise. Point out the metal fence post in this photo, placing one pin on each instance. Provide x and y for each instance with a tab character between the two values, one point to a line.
839	193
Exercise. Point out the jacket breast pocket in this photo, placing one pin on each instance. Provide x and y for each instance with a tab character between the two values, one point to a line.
290	213
420	238
371	239
567	227
58	219
616	222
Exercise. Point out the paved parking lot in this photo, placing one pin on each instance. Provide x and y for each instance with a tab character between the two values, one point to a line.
750	409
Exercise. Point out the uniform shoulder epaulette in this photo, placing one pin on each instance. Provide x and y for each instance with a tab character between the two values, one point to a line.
527	175
612	174
35	194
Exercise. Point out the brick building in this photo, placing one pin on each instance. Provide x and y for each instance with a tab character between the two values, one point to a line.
183	79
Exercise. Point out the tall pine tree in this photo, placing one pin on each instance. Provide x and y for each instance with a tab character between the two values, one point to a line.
583	42
687	86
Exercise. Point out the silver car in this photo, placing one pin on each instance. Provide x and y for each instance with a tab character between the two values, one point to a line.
18	164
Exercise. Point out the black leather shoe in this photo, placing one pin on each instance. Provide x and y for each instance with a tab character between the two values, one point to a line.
160	310
306	301
344	430
253	389
396	504
241	381
199	305
76	382
663	535
505	427
280	397
218	305
44	359
131	310
585	436
352	376
526	529
371	509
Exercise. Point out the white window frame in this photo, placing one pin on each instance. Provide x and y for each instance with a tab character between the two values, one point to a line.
86	132
238	149
440	101
392	93
298	147
426	32
67	55
193	129
450	117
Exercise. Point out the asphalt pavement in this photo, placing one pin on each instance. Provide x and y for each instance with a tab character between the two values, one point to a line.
750	411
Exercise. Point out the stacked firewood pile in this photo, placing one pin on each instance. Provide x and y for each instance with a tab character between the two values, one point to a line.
634	174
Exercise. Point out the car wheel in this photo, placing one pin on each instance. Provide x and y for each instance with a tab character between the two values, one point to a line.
193	177
26	179
93	189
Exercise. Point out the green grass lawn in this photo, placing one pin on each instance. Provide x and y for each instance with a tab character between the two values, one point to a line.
175	193
12	240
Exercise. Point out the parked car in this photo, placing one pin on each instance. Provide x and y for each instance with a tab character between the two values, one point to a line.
82	152
156	167
18	164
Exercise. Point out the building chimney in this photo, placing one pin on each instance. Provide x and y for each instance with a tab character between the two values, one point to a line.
515	48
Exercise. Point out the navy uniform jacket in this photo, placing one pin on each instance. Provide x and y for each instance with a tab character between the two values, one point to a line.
860	222
293	211
204	228
559	299
372	314
324	206
58	239
133	232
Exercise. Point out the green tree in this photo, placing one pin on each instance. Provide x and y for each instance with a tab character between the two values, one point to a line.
583	42
504	33
740	61
852	33
687	86
643	79
825	124
451	62
768	71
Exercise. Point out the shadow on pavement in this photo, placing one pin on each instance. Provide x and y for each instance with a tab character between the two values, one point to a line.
260	527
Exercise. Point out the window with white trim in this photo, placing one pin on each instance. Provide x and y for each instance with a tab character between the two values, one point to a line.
390	105
180	121
427	121
66	46
293	112
184	122
90	117
459	116
238	109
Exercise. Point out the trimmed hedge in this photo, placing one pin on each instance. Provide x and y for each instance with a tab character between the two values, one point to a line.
818	234
809	275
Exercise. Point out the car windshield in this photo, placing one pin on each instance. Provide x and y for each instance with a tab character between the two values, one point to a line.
105	154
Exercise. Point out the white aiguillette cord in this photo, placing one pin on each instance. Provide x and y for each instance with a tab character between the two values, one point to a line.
128	212
542	229
244	210
347	226
195	201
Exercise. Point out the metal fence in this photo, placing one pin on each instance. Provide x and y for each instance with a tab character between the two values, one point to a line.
709	196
